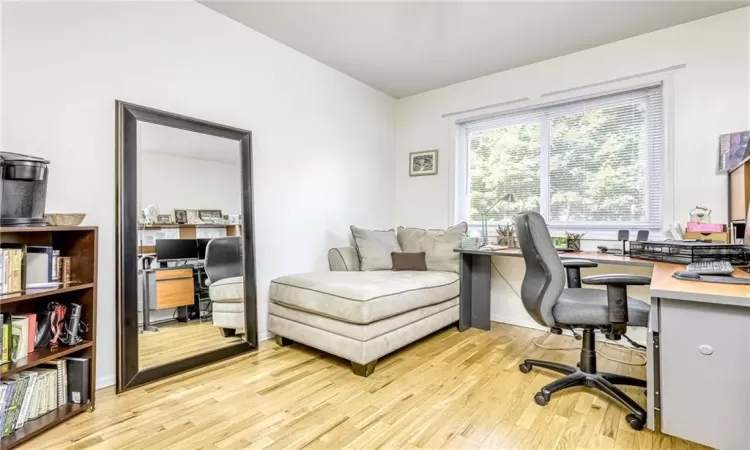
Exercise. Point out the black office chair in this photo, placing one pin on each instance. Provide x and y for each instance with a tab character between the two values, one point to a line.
223	258
550	304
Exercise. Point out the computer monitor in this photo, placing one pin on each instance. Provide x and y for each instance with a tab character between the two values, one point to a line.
176	249
202	244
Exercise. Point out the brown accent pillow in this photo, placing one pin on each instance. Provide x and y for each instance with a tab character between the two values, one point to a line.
409	261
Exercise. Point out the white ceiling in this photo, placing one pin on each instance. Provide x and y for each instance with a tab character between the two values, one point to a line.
187	144
407	48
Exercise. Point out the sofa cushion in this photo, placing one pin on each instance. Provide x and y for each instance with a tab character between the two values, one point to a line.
360	332
375	247
227	290
438	245
363	297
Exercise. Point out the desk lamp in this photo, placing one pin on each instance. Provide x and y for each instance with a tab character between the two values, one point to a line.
510	198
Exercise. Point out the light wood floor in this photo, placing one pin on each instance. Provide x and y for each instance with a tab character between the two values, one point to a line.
448	390
179	340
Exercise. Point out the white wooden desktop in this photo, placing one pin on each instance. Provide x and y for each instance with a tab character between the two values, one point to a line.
698	357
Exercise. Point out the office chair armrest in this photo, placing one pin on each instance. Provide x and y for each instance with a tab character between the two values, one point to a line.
618	279
573	270
578	263
617	298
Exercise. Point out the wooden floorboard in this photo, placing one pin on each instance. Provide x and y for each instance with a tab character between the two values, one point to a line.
449	390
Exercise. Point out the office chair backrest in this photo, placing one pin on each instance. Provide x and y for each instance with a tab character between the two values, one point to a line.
545	275
224	258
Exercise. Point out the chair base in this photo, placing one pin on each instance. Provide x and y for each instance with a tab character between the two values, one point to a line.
602	381
587	375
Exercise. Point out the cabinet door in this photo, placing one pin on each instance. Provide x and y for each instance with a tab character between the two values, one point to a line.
705	361
174	292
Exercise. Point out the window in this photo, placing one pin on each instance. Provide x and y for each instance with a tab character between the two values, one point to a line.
584	165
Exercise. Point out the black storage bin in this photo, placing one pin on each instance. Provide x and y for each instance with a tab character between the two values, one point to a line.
23	190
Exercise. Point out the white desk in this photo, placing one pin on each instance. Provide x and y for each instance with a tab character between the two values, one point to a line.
698	347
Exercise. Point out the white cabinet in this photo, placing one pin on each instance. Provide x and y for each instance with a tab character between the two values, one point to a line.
705	373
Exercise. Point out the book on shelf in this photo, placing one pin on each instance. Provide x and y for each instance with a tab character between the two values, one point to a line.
39	264
9	391
5	335
14	393
23	415
14	410
31	338
78	379
19	337
60	367
63	269
13	258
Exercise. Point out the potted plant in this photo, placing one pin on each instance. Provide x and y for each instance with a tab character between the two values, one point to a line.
574	240
506	235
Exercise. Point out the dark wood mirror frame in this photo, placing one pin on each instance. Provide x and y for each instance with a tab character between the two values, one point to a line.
126	219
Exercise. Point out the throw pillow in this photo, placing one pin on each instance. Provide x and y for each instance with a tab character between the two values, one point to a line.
374	248
408	261
438	245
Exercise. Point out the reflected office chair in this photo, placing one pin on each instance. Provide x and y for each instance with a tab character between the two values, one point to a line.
547	301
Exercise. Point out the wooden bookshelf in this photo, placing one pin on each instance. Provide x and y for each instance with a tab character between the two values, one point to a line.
40	356
37	426
80	244
39	293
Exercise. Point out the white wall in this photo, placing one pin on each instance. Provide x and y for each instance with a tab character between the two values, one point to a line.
709	98
322	142
173	182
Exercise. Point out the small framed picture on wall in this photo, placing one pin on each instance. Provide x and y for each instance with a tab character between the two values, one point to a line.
423	163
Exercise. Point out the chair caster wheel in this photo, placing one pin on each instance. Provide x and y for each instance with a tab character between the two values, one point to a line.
635	422
541	399
524	368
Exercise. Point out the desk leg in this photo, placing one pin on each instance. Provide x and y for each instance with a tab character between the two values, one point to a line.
474	311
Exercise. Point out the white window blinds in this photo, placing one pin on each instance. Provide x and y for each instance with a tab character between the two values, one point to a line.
588	164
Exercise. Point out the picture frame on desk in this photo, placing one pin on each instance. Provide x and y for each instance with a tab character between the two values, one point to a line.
180	216
164	219
210	215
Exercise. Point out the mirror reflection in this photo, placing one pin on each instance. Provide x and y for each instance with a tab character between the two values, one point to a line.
189	239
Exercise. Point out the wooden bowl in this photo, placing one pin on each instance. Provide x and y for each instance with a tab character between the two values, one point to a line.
65	219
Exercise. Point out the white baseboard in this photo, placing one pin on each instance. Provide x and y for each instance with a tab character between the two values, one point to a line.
265	335
105	381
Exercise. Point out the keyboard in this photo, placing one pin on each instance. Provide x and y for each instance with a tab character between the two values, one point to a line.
711	268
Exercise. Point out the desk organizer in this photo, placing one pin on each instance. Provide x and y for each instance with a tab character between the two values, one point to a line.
688	252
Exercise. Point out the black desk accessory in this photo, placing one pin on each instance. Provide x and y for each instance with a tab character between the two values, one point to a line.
724	279
624	236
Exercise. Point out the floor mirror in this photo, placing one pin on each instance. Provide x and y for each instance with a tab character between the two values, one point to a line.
185	270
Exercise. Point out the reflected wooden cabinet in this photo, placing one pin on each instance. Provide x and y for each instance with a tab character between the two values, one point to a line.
739	192
170	287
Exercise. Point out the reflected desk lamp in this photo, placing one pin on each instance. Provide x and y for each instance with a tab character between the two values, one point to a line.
510	198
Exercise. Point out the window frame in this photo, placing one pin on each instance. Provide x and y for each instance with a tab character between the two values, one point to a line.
460	187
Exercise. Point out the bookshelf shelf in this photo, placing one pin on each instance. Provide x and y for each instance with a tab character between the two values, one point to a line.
71	287
41	356
80	245
42	424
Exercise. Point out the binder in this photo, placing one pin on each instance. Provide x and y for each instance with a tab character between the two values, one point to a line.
78	379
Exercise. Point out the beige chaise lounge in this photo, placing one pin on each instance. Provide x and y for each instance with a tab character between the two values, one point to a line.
361	315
